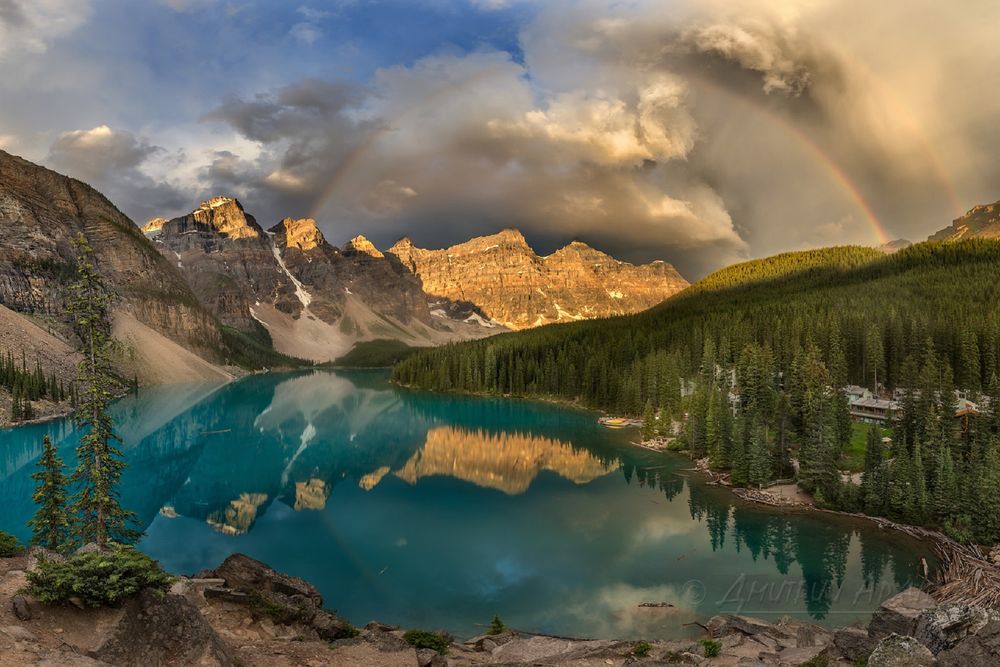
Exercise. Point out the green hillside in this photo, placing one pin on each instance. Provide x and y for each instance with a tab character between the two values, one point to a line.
880	307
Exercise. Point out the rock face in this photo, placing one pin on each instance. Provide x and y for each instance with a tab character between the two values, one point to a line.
159	630
227	260
899	614
981	221
280	597
503	277
41	212
982	648
941	628
897	651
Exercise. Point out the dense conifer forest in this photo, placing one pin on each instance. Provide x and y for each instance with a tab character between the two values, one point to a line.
751	362
27	384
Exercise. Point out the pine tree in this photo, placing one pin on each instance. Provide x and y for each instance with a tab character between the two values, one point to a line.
50	525
648	421
97	512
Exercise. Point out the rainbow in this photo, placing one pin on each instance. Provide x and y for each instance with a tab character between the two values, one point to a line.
821	157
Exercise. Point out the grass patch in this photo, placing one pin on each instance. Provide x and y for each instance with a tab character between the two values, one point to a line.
854	456
712	648
642	649
376	354
426	639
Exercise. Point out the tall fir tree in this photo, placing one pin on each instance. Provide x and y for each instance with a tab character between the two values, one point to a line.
96	508
50	526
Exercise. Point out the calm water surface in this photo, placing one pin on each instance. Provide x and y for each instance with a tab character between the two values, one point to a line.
438	511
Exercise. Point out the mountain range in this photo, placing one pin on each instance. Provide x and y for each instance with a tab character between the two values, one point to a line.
202	293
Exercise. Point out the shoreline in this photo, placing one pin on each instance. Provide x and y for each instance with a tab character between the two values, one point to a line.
964	574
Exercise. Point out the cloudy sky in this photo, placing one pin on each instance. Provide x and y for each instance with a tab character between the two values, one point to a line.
697	131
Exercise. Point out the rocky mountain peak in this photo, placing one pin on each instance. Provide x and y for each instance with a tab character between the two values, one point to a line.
226	216
302	234
981	221
153	226
359	245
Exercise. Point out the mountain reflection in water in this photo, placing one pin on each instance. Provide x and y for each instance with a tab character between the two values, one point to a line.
440	511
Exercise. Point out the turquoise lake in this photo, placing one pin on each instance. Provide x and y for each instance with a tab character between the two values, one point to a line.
436	511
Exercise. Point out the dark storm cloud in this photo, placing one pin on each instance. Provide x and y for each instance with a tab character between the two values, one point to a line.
110	161
11	14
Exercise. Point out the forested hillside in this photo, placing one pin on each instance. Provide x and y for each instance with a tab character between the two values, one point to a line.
764	349
877	309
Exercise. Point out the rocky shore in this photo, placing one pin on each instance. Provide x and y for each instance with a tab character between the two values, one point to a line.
243	613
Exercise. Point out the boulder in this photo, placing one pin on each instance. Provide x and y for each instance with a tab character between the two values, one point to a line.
898	615
158	630
853	643
773	637
331	627
898	651
38	554
805	634
88	548
243	573
19	604
425	657
18	633
982	648
943	627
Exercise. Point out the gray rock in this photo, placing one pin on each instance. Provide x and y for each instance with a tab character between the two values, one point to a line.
88	548
425	657
982	648
331	627
38	554
156	630
943	627
898	615
853	643
898	651
243	573
21	609
18	633
805	634
771	637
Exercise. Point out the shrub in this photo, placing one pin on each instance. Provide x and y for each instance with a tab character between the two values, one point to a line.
642	649
425	639
818	661
712	647
9	546
98	579
496	626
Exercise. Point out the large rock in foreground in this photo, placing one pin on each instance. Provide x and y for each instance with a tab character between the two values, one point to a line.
982	648
282	598
897	651
941	628
899	613
157	629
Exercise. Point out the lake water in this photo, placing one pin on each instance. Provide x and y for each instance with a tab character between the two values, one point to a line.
439	511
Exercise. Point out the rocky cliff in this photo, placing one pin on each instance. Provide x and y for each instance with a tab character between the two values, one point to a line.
981	221
227	260
41	212
510	284
315	300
